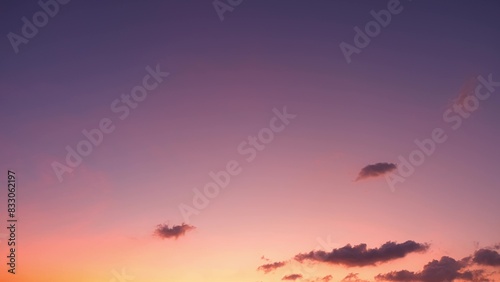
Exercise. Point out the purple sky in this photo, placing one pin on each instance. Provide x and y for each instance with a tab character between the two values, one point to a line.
226	77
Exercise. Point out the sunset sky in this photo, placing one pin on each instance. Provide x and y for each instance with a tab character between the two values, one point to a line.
257	149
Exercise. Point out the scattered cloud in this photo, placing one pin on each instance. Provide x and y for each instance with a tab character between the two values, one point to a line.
477	267
271	266
165	232
352	277
375	170
445	269
292	277
360	255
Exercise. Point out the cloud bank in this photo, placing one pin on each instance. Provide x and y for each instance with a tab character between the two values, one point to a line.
445	269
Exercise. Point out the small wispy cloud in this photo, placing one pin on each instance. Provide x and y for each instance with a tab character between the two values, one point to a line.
266	268
166	232
292	277
467	90
375	170
326	278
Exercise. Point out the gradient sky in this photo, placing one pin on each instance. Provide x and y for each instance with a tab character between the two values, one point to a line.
226	77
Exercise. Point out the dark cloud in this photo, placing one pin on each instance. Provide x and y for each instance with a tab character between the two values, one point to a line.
486	257
375	170
165	232
271	266
359	255
292	277
445	269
